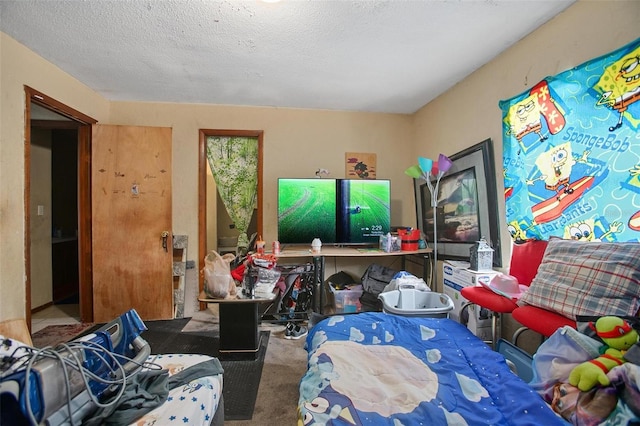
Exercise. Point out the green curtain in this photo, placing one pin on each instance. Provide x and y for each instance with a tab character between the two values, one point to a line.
234	165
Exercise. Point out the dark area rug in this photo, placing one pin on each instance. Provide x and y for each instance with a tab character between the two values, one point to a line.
241	382
241	378
54	334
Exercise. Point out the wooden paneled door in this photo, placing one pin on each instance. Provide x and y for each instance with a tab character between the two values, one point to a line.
131	209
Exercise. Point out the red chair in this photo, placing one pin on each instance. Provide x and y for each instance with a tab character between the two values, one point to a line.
525	259
539	320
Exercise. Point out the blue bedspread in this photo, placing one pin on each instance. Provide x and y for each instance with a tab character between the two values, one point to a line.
378	368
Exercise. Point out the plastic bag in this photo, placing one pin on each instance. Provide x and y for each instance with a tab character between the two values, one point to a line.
218	282
267	279
405	279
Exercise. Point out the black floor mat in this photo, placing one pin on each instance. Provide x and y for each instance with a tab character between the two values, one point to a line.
241	378
241	382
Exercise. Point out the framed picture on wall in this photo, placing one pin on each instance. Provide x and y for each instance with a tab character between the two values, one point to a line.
360	165
467	205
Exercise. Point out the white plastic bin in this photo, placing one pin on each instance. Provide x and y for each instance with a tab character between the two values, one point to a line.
417	303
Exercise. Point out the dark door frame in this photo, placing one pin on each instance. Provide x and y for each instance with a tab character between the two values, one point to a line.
83	123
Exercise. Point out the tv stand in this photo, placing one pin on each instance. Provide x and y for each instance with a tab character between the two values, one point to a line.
357	252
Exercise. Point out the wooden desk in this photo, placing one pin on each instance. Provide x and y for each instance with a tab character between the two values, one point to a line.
292	252
239	318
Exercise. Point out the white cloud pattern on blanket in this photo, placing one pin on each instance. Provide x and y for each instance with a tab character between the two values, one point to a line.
471	388
378	389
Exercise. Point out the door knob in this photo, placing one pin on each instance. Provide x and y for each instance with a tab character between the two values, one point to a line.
164	235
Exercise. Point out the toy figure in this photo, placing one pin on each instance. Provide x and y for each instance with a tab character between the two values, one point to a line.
618	337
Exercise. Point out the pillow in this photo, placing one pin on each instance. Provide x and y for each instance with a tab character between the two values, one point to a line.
587	278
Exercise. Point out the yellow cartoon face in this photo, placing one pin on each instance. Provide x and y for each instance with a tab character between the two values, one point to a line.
619	78
517	234
555	165
582	230
525	114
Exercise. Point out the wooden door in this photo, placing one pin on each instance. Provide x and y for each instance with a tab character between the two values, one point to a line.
131	208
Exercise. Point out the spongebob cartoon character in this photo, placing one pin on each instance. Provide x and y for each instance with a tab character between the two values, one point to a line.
585	230
525	118
555	167
518	234
619	85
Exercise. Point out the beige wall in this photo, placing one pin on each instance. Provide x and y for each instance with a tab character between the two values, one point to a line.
41	227
19	67
298	142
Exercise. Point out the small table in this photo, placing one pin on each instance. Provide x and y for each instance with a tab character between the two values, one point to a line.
239	317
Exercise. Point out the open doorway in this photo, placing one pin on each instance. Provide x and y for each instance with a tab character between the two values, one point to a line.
57	206
54	228
213	219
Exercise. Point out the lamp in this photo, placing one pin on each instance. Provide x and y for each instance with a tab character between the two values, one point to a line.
426	169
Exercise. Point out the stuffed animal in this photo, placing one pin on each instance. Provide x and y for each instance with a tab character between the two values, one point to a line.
618	336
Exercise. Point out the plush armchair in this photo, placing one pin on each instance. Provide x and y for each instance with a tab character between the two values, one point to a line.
525	259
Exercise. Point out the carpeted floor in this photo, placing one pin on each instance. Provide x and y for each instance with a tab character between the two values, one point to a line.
54	334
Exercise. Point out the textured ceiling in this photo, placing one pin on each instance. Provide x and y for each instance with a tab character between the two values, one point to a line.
381	56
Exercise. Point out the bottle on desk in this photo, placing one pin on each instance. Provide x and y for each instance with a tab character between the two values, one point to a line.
316	246
260	245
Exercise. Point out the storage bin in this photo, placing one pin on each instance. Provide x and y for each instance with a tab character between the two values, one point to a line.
347	300
416	303
409	239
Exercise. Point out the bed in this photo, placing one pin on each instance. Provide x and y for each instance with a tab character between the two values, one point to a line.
198	402
379	368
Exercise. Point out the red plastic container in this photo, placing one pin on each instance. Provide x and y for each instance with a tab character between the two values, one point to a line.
409	239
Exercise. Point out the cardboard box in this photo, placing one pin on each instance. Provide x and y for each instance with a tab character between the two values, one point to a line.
455	279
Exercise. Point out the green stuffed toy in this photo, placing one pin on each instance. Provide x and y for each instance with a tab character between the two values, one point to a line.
618	336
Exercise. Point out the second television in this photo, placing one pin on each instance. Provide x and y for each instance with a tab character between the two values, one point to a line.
338	211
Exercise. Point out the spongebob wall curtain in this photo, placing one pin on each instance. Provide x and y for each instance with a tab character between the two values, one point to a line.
572	153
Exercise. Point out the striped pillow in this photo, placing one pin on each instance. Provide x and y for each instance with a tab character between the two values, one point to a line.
587	278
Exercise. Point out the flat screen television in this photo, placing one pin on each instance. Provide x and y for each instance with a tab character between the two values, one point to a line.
338	211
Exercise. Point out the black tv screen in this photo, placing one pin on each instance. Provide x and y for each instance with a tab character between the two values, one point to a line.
338	211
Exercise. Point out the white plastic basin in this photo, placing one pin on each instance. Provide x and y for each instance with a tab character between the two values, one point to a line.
414	302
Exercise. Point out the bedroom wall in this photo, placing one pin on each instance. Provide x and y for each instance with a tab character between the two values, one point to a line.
300	141
297	142
469	112
19	67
